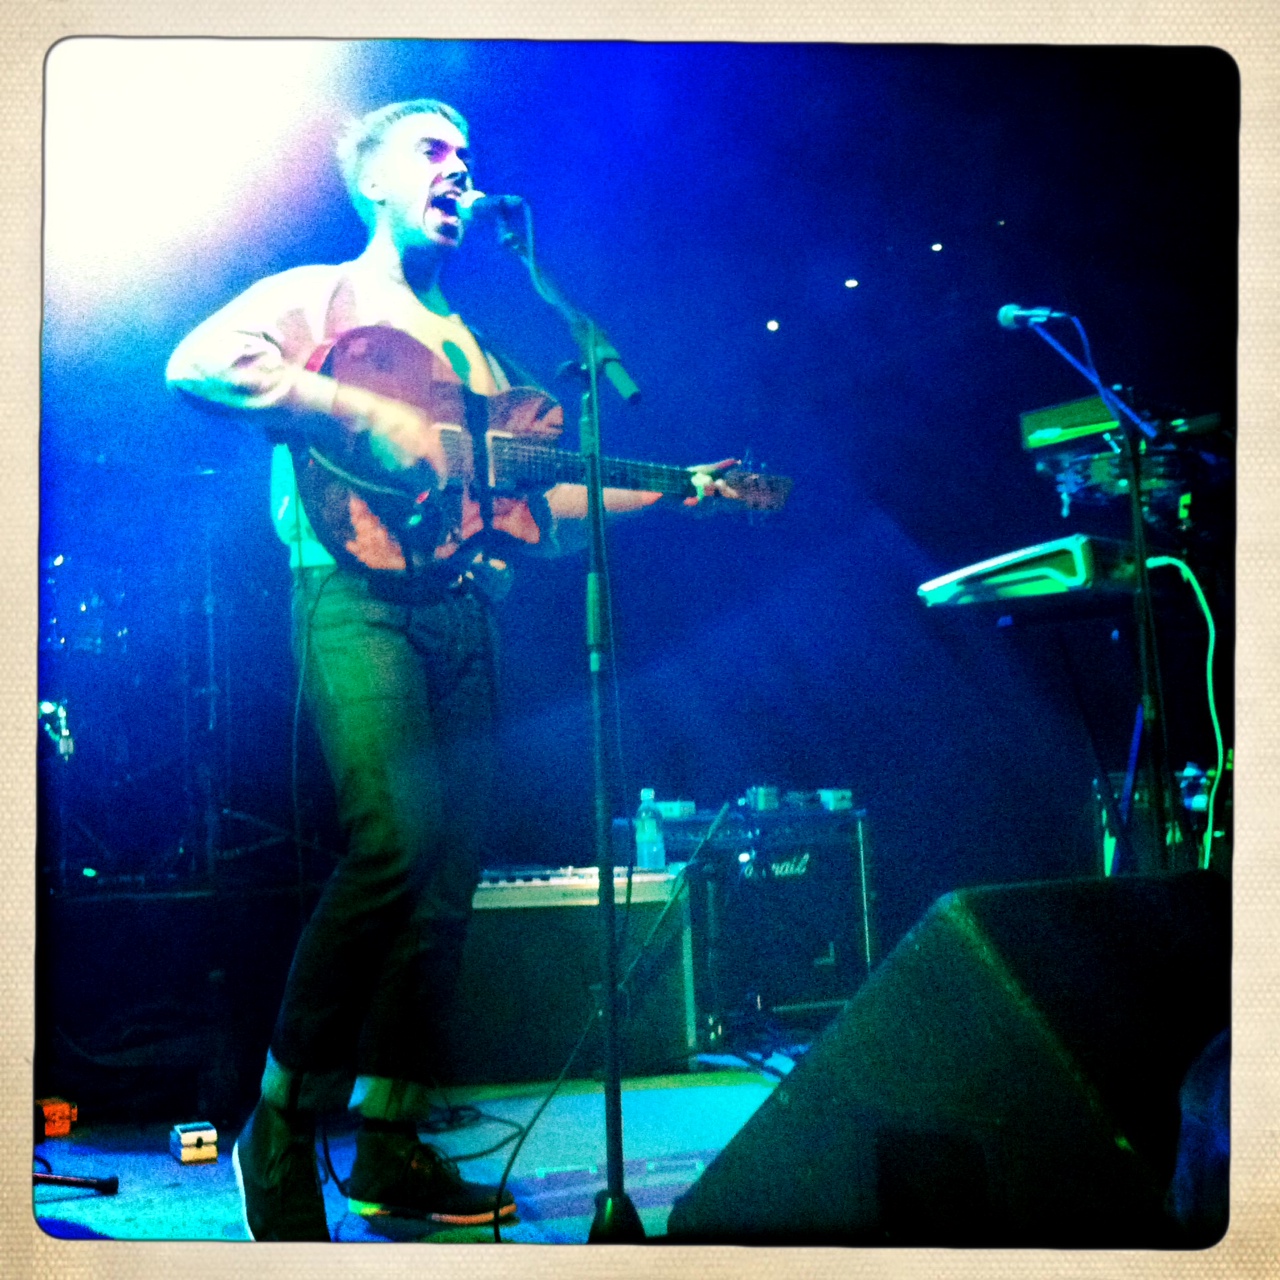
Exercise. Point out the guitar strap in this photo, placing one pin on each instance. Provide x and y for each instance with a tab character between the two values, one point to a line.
506	364
478	428
317	358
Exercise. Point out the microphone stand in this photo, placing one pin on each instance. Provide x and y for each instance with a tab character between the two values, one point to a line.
1168	831
616	1220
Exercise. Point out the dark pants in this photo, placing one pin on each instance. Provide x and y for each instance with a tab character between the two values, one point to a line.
402	694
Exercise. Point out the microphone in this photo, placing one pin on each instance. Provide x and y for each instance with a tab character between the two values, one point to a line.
473	204
1013	316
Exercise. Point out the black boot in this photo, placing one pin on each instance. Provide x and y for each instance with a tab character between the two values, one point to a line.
396	1174
275	1163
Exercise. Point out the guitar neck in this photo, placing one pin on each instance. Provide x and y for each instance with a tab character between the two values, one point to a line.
523	464
520	464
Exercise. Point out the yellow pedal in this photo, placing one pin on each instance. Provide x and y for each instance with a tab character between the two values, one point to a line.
195	1143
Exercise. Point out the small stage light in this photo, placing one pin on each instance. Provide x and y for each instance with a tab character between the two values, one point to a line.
937	248
772	326
850	284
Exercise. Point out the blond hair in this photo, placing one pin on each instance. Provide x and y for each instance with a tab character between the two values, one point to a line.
360	138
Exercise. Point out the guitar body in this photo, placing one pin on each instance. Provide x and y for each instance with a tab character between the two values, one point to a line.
369	509
387	516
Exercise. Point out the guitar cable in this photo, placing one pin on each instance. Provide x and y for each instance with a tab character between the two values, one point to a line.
1189	577
520	1132
295	728
454	1117
678	887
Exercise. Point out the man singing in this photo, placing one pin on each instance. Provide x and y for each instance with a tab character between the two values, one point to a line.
396	661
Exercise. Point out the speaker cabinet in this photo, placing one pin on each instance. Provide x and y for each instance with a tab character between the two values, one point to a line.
780	926
530	971
1009	1075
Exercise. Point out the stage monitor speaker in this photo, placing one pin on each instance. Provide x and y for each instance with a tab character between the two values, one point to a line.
1009	1075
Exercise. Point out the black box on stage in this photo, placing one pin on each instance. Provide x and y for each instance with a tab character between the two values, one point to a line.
780	912
531	966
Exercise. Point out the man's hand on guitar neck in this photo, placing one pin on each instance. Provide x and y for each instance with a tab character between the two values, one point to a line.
569	501
706	480
399	435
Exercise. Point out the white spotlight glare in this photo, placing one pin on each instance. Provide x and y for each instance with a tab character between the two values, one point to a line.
850	284
152	145
771	325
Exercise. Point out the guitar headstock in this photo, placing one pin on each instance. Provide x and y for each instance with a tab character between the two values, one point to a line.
757	490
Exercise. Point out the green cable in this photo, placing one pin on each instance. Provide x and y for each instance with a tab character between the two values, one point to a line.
1159	562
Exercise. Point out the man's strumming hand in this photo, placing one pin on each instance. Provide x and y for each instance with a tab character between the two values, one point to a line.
400	435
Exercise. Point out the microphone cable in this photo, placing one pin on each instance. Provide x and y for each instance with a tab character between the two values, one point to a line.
679	886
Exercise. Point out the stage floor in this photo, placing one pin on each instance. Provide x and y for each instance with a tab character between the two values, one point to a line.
673	1126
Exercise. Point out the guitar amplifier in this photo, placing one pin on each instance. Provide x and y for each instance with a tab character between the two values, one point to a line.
780	915
531	973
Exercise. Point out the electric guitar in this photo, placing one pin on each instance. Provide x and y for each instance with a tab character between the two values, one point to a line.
501	455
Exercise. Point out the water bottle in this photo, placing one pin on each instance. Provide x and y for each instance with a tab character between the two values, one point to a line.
651	852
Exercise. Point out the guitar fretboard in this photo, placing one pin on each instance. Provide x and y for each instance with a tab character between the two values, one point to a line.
521	464
524	464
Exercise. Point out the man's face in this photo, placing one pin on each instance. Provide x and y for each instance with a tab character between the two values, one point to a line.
416	176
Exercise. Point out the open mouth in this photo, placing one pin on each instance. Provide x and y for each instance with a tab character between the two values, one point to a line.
443	218
446	205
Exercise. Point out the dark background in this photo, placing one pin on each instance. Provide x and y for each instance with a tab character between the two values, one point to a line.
684	195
